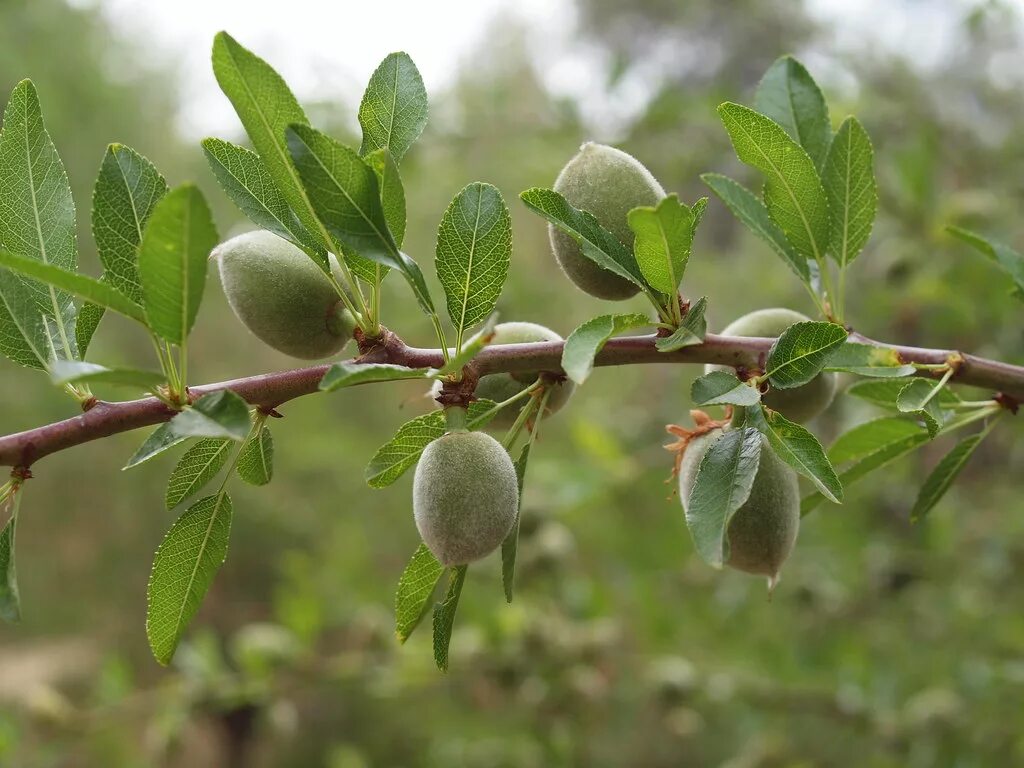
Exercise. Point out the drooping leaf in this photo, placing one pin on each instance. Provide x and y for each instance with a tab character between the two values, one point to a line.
218	414
444	616
917	398
588	339
183	569
746	207
197	466
793	192
788	95
868	360
1003	255
849	179
175	248
415	588
75	371
885	393
163	438
800	353
691	331
597	243
23	336
126	191
724	479
393	111
941	478
474	246
799	448
349	374
256	461
870	437
664	236
723	388
510	546
392	192
37	214
10	600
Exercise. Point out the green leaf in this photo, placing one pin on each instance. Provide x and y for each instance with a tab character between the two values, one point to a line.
793	191
127	189
256	461
344	193
349	374
403	450
88	288
266	107
724	479
186	562
470	348
510	546
746	207
1003	255
415	587
218	414
163	438
75	371
393	111
244	177
86	323
722	388
872	436
474	246
444	616
587	340
942	477
38	219
691	331
197	466
23	336
10	600
597	243
868	360
788	95
799	448
849	180
392	192
885	393
800	353
664	236
175	249
917	398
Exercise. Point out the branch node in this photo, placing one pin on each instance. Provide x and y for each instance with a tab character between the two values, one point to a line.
459	393
1008	402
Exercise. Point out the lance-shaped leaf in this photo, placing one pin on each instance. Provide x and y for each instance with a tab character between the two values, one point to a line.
849	180
664	236
793	192
349	374
868	360
86	323
218	414
722	388
197	466
917	398
393	111
256	461
1003	255
941	478
800	353
127	189
173	256
474	246
588	339
510	546
597	243
691	331
161	439
76	371
415	588
10	600
799	448
746	207
344	192
886	393
444	616
788	95
37	214
244	177
183	569
23	336
392	192
724	479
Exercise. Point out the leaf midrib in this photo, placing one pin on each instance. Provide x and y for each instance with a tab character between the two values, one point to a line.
179	621
469	264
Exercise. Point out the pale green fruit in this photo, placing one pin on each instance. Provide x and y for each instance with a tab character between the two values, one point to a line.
501	386
608	183
465	496
280	295
763	531
800	403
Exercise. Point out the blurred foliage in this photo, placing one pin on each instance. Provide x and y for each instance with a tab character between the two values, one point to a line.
885	645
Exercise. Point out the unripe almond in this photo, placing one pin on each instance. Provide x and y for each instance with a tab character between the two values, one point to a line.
608	183
280	295
800	403
465	496
762	532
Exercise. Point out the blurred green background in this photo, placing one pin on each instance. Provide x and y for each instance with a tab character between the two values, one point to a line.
886	644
